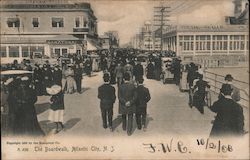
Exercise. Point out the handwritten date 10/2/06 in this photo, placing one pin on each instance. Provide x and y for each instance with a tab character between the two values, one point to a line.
180	147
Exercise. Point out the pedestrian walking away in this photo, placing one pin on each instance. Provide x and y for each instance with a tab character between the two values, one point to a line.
199	95
236	91
143	96
78	71
106	94
229	120
127	97
119	74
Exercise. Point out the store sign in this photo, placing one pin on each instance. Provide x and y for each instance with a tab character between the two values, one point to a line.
63	42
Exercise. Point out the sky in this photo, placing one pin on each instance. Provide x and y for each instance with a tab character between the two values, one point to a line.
128	16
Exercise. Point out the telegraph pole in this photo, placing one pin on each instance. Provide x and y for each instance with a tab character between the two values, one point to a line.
160	18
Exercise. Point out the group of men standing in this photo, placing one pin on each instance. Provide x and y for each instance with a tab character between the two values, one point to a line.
132	100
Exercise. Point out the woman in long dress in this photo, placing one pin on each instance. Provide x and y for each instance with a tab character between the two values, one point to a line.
150	71
70	81
24	98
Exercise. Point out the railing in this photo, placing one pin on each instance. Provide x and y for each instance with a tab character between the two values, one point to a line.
216	81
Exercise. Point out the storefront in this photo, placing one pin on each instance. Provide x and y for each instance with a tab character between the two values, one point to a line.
212	46
63	45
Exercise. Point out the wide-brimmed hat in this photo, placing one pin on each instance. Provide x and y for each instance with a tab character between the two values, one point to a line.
228	77
55	89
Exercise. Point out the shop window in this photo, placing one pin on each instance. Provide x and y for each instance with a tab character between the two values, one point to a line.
77	22
13	51
64	51
85	22
35	22
3	51
57	52
36	49
13	22
25	51
57	22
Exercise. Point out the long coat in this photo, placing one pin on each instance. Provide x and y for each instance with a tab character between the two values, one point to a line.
229	119
47	77
57	77
25	122
143	96
150	71
106	93
138	71
200	94
119	71
127	92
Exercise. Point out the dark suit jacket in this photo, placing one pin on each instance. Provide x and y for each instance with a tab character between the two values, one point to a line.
106	93
138	70
143	96
229	119
127	92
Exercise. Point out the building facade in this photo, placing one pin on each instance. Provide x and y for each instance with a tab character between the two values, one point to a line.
211	46
48	28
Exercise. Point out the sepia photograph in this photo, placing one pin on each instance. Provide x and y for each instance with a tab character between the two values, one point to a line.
124	79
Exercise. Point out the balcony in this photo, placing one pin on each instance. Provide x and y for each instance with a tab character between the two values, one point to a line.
85	29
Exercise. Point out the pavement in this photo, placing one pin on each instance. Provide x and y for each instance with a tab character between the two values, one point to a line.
168	113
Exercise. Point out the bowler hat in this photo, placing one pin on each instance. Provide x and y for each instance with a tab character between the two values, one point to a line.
106	75
228	77
226	89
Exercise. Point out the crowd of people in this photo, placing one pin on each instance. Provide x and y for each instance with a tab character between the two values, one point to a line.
19	92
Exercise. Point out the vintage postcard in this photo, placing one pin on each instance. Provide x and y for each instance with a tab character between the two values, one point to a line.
124	79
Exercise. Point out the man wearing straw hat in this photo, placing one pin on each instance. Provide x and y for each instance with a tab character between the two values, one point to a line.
56	107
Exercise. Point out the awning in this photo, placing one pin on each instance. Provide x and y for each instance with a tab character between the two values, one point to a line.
91	46
65	37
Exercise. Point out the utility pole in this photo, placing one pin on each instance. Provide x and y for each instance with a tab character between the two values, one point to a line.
160	18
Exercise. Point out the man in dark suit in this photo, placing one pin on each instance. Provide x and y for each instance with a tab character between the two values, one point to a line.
127	97
143	96
119	73
229	120
138	71
106	93
57	75
78	77
236	91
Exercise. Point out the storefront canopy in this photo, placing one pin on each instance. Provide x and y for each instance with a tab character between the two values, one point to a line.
91	46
